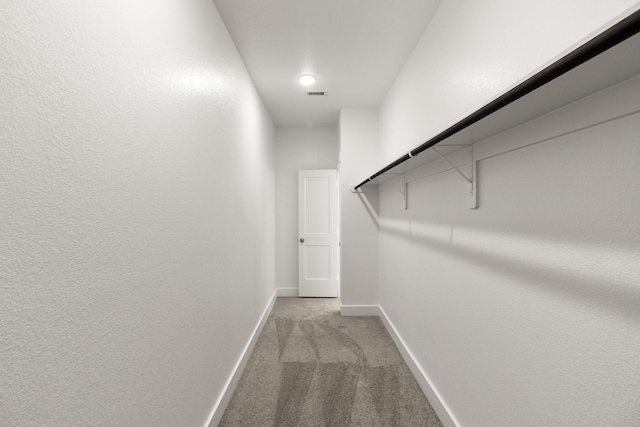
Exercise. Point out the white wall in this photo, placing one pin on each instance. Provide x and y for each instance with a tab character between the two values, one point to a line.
136	212
523	312
358	212
296	148
472	52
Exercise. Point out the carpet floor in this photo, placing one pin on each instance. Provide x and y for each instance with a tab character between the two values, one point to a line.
312	367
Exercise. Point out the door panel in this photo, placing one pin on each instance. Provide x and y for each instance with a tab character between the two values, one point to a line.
317	215
318	261
318	233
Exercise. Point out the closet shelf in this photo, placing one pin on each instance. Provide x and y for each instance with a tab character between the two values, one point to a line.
609	58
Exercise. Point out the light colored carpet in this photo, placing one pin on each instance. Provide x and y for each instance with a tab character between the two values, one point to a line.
312	367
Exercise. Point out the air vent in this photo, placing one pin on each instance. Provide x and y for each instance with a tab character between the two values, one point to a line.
316	93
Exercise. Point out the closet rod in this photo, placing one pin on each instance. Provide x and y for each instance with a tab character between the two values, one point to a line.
599	44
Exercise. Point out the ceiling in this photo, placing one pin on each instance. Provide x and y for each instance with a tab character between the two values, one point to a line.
356	48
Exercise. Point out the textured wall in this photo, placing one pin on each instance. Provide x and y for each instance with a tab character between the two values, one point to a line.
296	148
136	211
358	212
525	311
474	51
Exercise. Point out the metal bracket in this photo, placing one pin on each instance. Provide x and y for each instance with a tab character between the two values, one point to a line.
473	191
403	191
471	179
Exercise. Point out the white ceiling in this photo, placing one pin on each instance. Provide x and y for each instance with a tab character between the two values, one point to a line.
356	48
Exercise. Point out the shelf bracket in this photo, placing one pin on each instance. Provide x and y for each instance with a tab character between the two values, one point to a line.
473	191
403	191
471	179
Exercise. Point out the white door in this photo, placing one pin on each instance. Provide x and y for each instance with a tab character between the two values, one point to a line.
317	233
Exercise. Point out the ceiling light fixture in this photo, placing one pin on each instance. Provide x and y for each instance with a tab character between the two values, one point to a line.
307	79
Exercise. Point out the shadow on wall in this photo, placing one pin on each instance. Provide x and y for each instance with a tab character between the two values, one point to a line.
369	198
601	276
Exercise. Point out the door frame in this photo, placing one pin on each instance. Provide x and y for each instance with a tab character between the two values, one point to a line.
325	287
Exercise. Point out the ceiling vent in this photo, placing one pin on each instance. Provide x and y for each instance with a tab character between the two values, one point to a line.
316	93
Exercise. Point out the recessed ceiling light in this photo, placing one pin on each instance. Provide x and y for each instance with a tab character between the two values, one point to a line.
307	79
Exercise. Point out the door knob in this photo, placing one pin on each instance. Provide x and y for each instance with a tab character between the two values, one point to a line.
302	240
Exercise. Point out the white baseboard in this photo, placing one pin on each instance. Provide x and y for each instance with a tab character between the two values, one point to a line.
441	409
359	310
287	292
229	388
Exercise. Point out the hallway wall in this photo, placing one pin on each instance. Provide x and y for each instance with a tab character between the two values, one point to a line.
136	212
296	148
524	311
358	212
